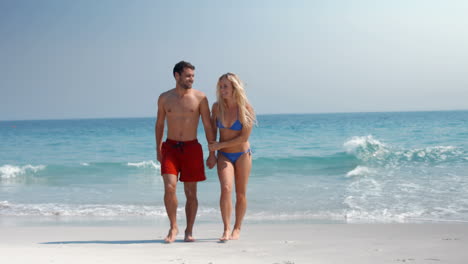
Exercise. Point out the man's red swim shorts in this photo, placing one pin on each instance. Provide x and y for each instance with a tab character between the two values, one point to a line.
184	157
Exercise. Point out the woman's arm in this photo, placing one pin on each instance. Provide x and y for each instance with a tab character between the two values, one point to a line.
242	138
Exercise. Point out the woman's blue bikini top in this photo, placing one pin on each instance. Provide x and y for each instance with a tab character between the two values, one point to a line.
236	126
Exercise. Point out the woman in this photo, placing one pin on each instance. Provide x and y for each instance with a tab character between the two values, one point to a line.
234	117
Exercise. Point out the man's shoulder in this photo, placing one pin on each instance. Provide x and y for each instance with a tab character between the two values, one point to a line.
198	94
165	95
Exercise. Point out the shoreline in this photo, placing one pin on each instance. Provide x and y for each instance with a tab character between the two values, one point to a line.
11	221
269	243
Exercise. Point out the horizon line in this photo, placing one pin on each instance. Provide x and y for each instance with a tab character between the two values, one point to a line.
303	113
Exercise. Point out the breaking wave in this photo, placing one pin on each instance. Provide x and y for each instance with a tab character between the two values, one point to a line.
11	171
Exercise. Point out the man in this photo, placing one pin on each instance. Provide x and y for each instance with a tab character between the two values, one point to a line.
181	153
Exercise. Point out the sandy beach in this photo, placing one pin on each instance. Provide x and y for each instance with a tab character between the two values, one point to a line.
272	243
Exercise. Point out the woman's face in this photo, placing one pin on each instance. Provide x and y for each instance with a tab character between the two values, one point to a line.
225	88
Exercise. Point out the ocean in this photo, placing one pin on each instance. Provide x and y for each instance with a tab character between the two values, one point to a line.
401	167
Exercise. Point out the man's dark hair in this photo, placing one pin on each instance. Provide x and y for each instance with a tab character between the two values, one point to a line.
180	66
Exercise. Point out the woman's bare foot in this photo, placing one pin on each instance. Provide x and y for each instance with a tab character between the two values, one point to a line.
189	237
235	234
225	236
171	236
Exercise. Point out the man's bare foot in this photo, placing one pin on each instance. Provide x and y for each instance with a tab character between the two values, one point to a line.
189	237
225	236
235	234
171	236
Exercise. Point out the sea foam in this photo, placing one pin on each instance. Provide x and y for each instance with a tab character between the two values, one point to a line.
359	171
92	210
10	171
369	149
144	164
365	148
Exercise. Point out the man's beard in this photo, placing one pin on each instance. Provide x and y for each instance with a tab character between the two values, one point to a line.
186	86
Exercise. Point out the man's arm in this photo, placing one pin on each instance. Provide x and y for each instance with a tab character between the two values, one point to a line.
159	127
214	114
209	133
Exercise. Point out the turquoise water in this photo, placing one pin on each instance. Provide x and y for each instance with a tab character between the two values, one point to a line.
356	167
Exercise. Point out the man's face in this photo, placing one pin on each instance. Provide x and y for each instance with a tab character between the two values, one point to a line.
185	80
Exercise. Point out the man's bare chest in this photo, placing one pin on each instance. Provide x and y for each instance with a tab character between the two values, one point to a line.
182	107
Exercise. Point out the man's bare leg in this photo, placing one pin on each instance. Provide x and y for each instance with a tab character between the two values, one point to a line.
191	208
170	201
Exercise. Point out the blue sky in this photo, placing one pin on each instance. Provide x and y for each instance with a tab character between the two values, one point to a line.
111	58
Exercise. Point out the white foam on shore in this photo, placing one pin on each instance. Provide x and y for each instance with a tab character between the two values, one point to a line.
90	210
10	171
55	209
355	214
381	216
292	216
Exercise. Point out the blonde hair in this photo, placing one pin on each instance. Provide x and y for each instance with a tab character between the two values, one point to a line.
246	116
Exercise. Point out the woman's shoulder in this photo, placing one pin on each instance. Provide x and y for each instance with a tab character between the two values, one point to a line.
214	108
216	105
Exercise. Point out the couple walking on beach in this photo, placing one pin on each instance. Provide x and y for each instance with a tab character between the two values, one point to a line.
181	156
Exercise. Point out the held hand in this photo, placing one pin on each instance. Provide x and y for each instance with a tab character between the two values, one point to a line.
213	146
211	161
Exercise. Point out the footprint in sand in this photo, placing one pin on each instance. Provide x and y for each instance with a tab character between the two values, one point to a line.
405	260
